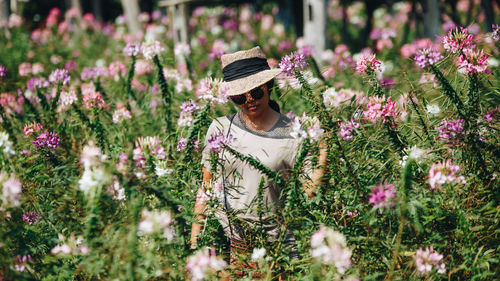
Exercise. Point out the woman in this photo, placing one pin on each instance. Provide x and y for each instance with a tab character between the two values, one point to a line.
259	131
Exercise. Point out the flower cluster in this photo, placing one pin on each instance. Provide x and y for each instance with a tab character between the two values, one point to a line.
186	115
156	222
66	99
92	73
380	108
91	98
49	140
182	49
346	129
31	217
473	61
202	263
183	142
6	144
3	71
306	127
151	48
495	35
367	64
330	247
217	142
458	40
59	76
333	98
212	90
11	104
71	246
37	83
451	130
219	48
11	190
383	195
427	259
20	263
132	49
121	113
426	57
444	172
296	61
94	174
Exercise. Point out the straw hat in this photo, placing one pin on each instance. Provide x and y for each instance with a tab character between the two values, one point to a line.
245	70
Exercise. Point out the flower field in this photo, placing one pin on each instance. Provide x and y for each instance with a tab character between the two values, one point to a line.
101	135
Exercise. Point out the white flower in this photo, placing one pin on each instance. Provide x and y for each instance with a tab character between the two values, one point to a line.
93	178
330	247
258	253
182	49
163	171
156	221
433	109
416	153
492	62
6	144
11	190
151	48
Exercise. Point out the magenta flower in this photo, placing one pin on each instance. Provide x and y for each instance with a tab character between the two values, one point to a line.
296	61
217	142
427	259
346	129
92	99
37	83
380	108
219	48
383	195
31	217
3	71
457	41
444	172
452	130
132	49
20	263
182	144
473	61
367	64
48	140
426	57
59	76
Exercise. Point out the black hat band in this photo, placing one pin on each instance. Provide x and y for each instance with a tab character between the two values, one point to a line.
243	68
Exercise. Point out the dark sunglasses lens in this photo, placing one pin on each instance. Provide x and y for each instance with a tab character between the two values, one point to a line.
239	99
257	93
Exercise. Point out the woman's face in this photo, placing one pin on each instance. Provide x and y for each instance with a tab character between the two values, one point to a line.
255	107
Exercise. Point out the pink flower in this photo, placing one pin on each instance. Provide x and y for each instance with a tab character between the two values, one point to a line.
367	64
32	128
182	144
200	264
307	127
428	259
294	62
444	172
117	69
91	98
346	129
427	57
212	90
182	49
383	195
3	71
473	61
66	99
330	247
219	48
380	108
457	41
31	217
11	190
24	69
495	35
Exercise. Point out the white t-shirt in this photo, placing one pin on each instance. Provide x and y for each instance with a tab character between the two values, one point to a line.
236	183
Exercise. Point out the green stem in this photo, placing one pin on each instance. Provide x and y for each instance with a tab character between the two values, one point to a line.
167	99
130	75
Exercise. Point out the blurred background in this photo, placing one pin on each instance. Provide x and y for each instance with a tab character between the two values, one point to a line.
318	20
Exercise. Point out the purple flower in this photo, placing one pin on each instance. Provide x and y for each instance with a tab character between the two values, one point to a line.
383	195
496	30
91	73
59	76
3	71
451	130
37	83
346	129
387	82
426	57
427	259
182	144
31	217
48	140
189	106
217	142
294	62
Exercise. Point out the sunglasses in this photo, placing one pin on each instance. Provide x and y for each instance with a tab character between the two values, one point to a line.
256	94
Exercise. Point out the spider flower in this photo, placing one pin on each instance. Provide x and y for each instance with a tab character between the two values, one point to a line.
444	172
201	263
132	49
367	64
151	48
383	195
59	76
427	259
473	61
212	90
49	140
296	61
380	107
458	40
426	57
330	247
